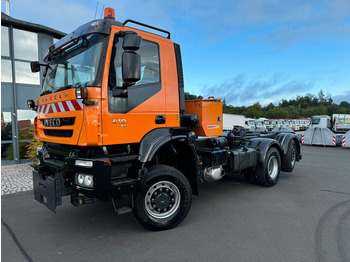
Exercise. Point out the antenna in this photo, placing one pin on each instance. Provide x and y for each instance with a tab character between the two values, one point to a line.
96	9
103	7
7	3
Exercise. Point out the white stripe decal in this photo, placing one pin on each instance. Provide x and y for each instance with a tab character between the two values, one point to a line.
61	107
47	108
70	106
54	108
80	102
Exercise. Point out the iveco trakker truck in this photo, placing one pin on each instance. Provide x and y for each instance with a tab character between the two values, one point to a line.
115	126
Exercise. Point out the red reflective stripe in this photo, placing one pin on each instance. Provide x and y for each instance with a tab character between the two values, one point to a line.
50	110
44	108
57	107
66	108
75	104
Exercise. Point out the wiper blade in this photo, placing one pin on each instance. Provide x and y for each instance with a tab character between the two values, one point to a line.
64	88
46	92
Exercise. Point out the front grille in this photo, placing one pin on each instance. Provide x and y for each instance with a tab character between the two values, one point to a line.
58	132
63	121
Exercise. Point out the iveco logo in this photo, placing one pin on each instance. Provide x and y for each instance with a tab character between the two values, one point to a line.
52	122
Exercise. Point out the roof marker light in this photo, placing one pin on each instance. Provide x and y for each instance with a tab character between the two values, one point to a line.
109	13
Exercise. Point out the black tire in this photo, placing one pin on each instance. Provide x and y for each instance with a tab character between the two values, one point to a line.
268	174
288	161
164	200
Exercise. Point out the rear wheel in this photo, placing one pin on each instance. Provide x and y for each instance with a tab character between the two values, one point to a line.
164	200
268	174
288	161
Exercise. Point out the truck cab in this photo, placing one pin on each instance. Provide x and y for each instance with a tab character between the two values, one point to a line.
321	121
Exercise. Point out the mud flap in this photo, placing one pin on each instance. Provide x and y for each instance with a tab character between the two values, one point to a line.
50	189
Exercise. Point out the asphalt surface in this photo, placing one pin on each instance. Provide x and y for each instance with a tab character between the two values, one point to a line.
305	217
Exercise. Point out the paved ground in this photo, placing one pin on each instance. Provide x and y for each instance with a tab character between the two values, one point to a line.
16	178
306	217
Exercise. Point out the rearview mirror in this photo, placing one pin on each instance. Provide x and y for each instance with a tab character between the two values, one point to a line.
132	42
35	66
131	61
31	104
131	67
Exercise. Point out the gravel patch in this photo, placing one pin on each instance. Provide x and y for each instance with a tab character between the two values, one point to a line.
16	178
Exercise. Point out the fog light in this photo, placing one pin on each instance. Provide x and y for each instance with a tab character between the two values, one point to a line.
80	179
88	181
83	163
84	180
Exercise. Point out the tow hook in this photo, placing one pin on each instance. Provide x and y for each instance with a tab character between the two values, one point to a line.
77	200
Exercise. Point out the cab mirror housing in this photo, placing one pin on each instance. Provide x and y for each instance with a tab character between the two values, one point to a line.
31	104
132	42
35	66
131	67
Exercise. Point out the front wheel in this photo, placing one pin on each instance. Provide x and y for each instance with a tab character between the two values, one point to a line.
164	200
268	174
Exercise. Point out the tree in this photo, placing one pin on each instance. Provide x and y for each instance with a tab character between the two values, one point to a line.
344	104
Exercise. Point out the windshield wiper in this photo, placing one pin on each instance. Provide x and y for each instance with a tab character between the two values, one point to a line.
64	88
46	92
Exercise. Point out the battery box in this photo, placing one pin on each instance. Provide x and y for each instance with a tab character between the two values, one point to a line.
209	112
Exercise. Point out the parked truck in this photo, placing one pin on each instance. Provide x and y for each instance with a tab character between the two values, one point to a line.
346	139
325	131
115	126
231	120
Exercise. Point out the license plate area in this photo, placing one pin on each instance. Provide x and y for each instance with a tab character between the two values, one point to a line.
48	190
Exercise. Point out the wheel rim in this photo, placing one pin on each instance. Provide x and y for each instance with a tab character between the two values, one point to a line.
162	200
293	157
272	167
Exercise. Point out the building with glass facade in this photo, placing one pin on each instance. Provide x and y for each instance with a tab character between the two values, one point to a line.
21	43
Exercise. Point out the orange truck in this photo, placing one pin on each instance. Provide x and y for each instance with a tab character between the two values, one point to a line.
115	126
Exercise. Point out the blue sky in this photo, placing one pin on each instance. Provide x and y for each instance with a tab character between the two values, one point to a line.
244	51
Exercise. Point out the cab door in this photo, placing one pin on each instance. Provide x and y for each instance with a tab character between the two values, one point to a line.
127	118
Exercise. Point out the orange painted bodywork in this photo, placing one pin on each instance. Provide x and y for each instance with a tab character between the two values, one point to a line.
141	120
96	126
209	112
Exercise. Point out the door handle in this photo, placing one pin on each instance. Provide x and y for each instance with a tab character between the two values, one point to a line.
160	119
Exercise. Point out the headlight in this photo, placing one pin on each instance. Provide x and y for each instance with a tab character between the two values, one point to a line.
80	179
84	180
83	163
88	181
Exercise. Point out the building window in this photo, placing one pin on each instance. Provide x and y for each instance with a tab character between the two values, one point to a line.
24	75
25	45
6	136
6	71
5	47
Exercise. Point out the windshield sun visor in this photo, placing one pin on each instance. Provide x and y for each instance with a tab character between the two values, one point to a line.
102	26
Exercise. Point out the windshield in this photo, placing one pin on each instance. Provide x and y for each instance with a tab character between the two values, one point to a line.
266	122
316	121
78	65
252	122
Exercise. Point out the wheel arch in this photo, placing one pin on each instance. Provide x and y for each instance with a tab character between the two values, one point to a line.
284	138
183	154
262	145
